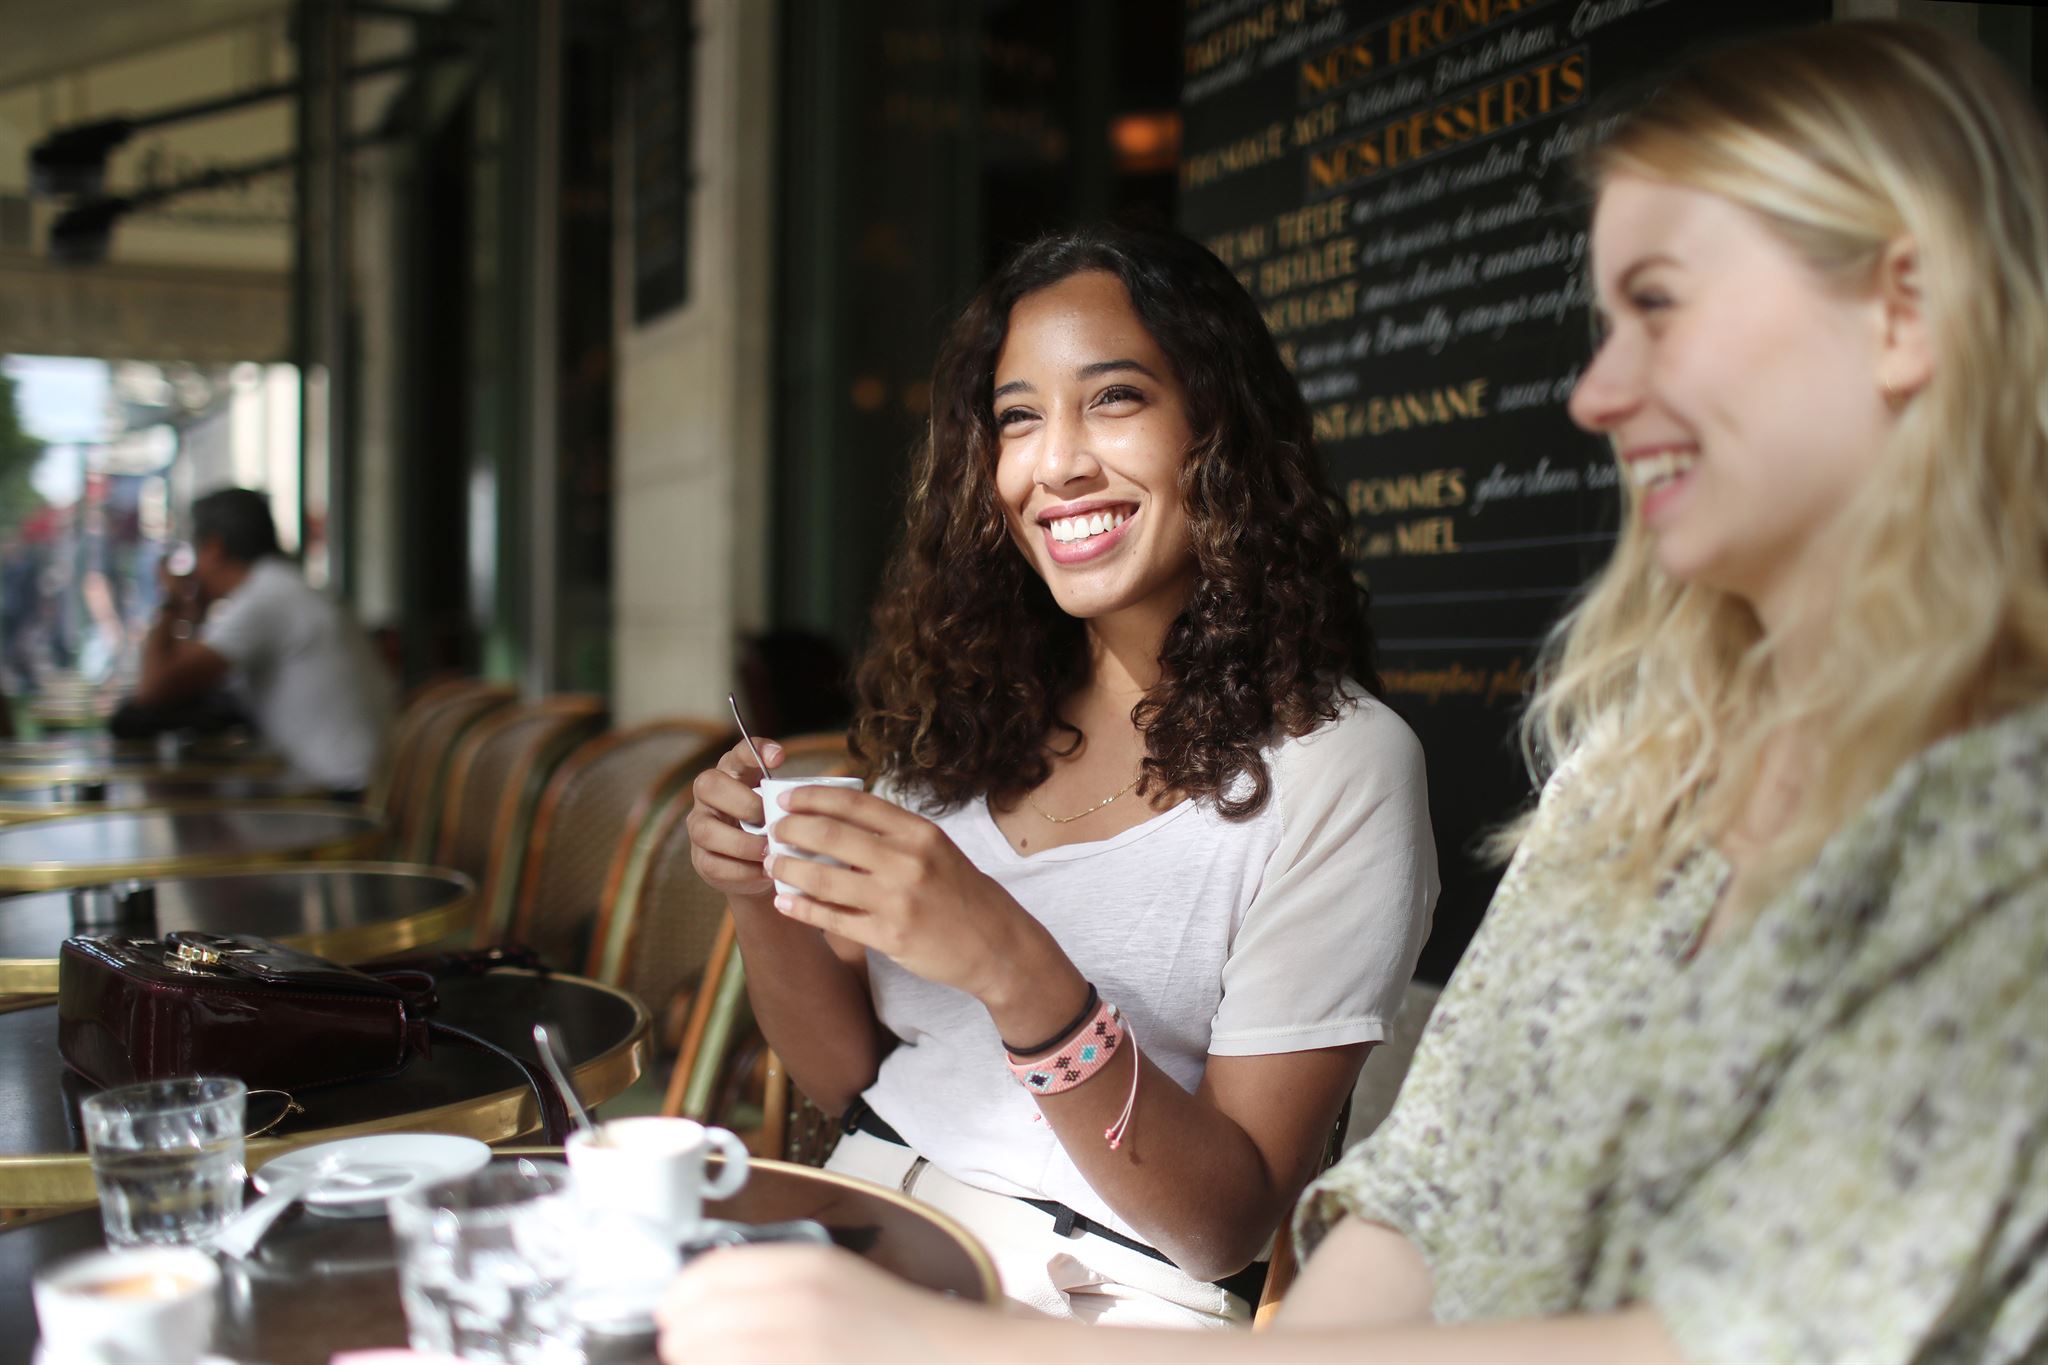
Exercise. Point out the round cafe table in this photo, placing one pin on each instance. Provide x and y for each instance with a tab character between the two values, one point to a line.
125	792
58	768
186	837
81	711
454	1090
172	746
349	912
318	1285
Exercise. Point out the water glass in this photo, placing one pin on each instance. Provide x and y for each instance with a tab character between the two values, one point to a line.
486	1265
167	1157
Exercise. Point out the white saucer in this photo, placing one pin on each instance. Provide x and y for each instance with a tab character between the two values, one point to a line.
411	1159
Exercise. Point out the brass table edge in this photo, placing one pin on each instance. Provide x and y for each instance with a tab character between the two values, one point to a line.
29	775
54	876
984	1264
337	866
40	1180
13	814
28	975
202	804
351	943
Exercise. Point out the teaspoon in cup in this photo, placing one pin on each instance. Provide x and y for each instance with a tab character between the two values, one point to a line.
558	1070
759	761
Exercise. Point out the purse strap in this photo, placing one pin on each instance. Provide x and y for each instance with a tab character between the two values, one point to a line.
417	976
554	1112
422	975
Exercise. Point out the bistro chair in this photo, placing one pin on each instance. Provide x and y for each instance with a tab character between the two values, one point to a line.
1372	1099
415	825
495	779
589	815
658	921
412	739
718	1036
399	756
718	1020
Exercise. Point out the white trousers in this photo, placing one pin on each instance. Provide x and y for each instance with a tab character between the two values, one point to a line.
1084	1277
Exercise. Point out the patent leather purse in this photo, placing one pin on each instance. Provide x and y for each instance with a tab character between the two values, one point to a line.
135	1009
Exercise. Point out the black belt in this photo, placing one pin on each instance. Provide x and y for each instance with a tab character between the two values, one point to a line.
1247	1284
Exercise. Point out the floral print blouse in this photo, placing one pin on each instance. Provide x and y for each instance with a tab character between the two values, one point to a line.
1821	1138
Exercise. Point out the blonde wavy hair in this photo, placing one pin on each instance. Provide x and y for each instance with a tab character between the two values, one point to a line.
1843	139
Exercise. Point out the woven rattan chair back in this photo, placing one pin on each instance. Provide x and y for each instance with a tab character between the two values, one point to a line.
589	818
792	1128
1386	1066
1372	1099
715	1015
659	921
492	788
404	747
418	820
720	1040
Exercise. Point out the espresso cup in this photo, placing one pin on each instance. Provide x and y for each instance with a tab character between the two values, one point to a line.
770	792
653	1168
128	1307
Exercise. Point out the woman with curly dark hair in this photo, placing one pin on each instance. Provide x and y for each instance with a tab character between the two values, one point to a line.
1148	864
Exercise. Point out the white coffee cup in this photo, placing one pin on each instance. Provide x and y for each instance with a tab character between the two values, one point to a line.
770	792
128	1307
653	1168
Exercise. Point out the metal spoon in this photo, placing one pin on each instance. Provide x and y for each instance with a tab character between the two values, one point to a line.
240	1237
759	761
558	1069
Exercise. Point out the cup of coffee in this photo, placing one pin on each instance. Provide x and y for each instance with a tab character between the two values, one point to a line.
127	1307
653	1168
770	792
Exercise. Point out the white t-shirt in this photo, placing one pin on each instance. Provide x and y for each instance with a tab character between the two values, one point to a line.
1295	929
307	673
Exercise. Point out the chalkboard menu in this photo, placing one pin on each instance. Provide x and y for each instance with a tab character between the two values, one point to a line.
1394	184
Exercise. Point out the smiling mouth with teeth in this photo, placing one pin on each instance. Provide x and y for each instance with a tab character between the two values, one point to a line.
1651	471
1067	530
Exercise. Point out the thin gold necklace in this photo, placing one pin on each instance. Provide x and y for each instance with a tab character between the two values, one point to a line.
1070	819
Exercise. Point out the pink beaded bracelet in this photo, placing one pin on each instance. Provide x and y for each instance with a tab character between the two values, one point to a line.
1077	1060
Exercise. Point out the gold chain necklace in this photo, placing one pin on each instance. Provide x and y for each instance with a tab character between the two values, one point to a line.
1070	819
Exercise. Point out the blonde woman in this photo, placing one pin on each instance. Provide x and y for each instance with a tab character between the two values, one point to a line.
1748	1061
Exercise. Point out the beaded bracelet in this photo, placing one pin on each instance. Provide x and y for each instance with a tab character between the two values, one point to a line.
1083	1055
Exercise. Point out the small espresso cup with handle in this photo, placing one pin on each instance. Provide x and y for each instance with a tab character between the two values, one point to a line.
770	792
653	1169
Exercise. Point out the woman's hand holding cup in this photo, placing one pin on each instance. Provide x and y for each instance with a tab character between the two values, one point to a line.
895	883
725	855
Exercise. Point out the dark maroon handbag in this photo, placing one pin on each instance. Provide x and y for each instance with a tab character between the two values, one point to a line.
131	1009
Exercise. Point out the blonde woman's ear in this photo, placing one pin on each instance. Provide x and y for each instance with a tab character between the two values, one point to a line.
1906	348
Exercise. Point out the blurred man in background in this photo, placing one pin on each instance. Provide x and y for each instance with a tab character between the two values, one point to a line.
297	660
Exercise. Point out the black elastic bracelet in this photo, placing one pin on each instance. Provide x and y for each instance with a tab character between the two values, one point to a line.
1087	1013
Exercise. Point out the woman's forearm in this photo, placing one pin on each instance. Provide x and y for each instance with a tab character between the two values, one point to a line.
1188	1177
813	1007
819	1303
1634	1336
1362	1275
1185	1176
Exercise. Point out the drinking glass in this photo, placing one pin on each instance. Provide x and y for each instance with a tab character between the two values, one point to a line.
486	1263
167	1157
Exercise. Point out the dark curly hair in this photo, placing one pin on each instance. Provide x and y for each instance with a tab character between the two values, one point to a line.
959	692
